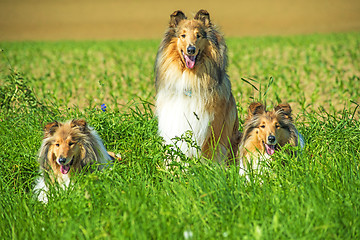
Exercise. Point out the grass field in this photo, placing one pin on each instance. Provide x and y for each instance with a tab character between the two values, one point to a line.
315	196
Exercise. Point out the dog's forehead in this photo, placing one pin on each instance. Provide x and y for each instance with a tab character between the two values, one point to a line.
272	115
268	117
64	134
63	137
190	25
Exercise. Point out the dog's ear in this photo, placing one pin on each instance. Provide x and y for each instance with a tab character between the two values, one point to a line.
204	17
176	17
285	109
80	123
256	108
51	128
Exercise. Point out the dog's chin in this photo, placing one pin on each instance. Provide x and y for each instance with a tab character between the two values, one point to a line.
269	148
190	61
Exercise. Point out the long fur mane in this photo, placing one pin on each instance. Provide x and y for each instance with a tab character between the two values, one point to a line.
253	121
91	148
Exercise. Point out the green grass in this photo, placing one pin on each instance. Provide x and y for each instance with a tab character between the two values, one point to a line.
315	196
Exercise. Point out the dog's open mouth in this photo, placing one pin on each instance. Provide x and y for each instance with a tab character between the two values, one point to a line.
190	60
66	168
270	149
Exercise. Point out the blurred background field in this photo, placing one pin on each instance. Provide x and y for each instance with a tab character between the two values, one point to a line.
142	19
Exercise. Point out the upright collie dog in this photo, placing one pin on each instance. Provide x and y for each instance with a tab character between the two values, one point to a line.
193	89
68	148
266	132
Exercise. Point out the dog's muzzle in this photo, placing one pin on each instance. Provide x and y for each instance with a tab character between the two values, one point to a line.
62	161
271	139
191	50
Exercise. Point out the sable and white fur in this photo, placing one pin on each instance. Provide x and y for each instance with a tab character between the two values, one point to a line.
68	148
193	89
265	132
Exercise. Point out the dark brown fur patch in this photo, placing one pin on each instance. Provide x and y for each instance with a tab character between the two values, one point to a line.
285	109
175	18
81	124
51	128
204	17
256	108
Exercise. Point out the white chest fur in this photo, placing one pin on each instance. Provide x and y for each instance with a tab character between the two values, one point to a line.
180	109
64	180
41	188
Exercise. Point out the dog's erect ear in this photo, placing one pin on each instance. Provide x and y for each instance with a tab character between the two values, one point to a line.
204	17
80	123
256	108
176	17
285	109
51	128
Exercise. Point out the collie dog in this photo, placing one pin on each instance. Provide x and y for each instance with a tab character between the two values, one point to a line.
66	149
266	132
194	90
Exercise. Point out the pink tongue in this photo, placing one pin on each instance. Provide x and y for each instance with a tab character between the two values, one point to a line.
190	61
65	169
270	149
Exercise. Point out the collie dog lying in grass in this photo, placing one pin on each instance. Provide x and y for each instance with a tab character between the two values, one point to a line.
194	90
68	148
266	132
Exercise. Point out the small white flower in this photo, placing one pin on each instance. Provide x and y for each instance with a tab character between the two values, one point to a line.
225	234
188	234
258	232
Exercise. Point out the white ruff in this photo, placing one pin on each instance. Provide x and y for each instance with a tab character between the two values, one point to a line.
181	108
63	180
254	162
41	187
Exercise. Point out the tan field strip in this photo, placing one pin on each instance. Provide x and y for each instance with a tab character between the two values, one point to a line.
111	19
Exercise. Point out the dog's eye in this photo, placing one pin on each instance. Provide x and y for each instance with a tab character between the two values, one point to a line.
183	35
198	36
71	143
262	126
57	145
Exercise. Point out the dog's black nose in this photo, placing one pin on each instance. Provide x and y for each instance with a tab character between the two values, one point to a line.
62	160
191	50
271	139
